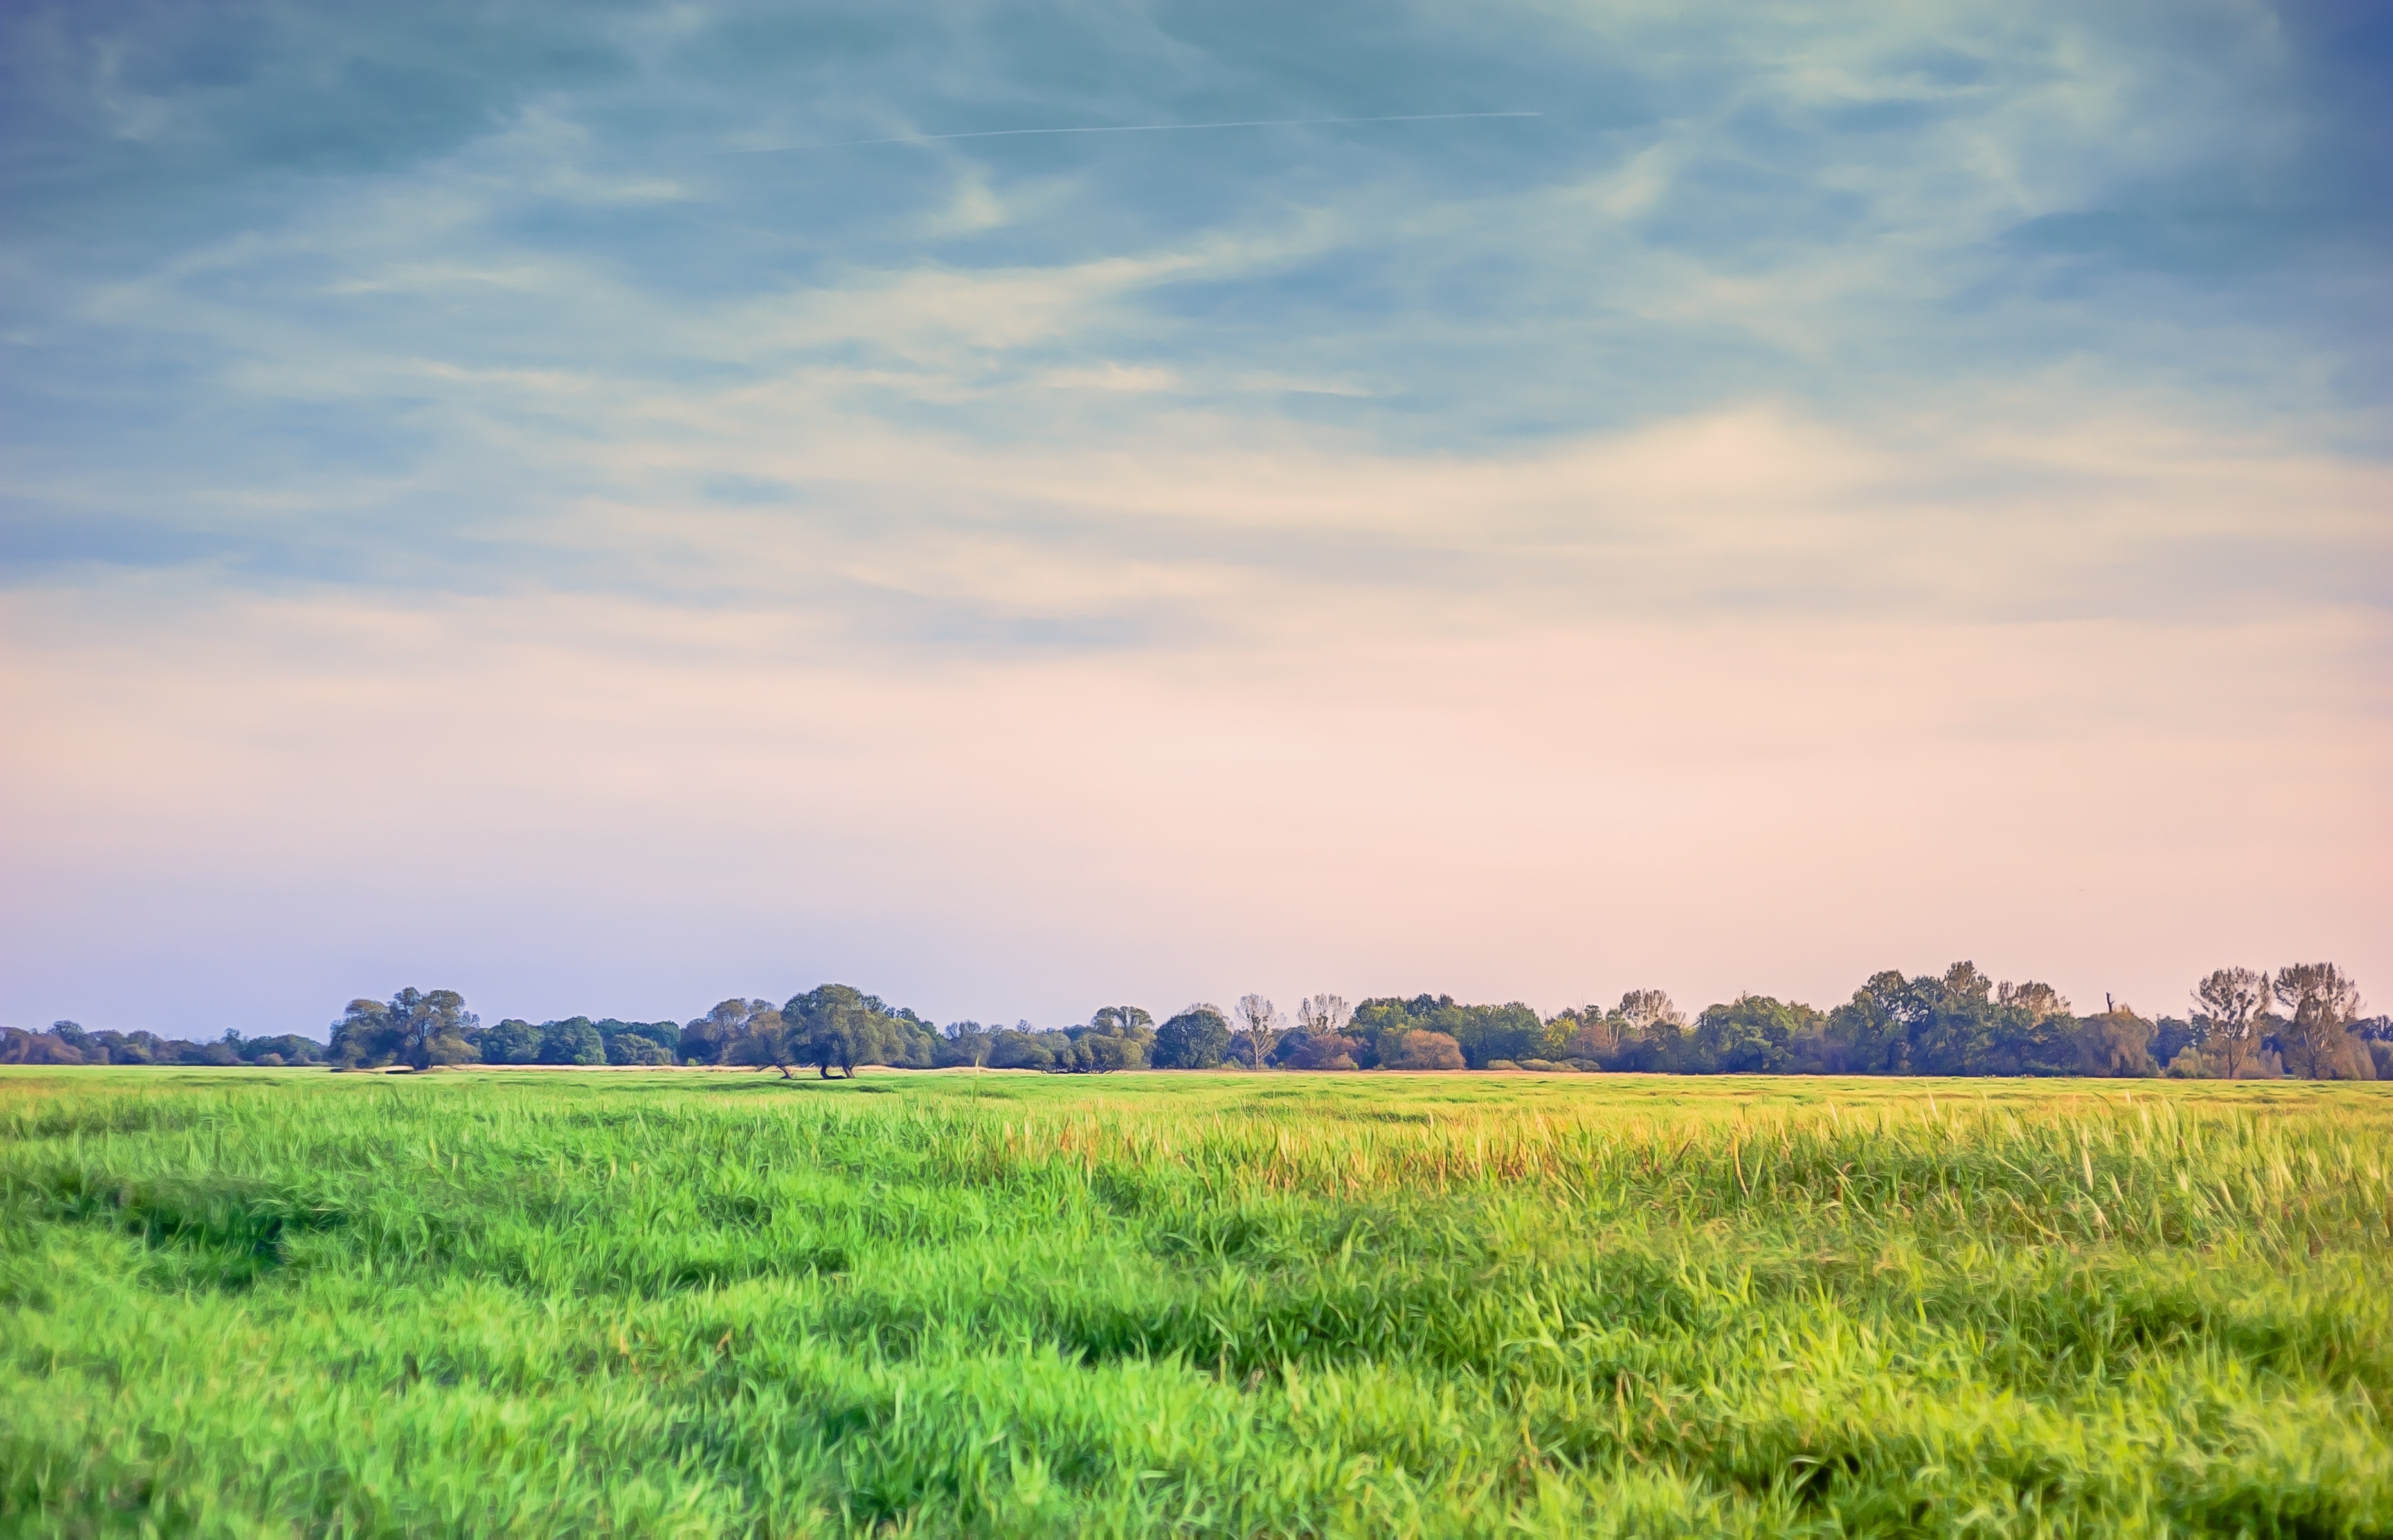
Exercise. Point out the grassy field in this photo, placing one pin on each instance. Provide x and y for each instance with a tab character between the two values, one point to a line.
253	1302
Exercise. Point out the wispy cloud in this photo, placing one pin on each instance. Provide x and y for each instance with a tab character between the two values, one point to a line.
1137	128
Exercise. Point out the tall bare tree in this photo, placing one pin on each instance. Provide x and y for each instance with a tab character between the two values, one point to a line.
1259	1026
1324	1015
1641	1009
2227	1015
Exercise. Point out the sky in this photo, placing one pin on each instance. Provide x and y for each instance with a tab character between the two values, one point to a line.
606	507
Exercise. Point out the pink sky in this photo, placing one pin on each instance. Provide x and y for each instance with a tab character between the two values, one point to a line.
1740	703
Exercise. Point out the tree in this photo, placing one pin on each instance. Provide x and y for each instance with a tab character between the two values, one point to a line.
287	1049
1022	1045
1965	979
68	1043
836	1025
2028	1030
574	1041
131	1048
1385	1013
1117	1037
2115	1043
1122	1021
640	1042
1088	1052
1754	1035
2315	1042
1484	1033
1965	1024
773	1044
18	1047
1491	1032
1302	1050
1950	1028
1319	1042
1958	1023
1652	1034
1586	1035
710	1039
362	1038
1418	1048
513	1041
432	1027
2039	1001
1198	1037
637	1048
1871	1032
1324	1015
961	1044
1260	1024
413	1027
2226	1019
2174	1039
1643	1009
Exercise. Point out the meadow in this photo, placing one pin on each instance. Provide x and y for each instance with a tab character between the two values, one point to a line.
250	1302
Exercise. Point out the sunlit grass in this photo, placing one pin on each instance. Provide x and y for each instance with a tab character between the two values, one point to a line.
245	1303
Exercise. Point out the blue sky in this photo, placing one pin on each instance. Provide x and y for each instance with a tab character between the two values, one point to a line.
515	497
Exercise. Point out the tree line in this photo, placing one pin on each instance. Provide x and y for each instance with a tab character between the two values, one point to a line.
70	1043
2301	1021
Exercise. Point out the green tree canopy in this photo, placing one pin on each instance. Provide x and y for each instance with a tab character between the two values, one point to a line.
574	1041
513	1041
2117	1042
714	1037
411	1027
1753	1034
1481	1032
837	1026
637	1048
1117	1037
1198	1037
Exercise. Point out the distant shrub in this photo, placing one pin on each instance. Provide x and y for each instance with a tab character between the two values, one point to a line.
1319	1050
1419	1050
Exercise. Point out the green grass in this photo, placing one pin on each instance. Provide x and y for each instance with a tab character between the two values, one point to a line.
252	1302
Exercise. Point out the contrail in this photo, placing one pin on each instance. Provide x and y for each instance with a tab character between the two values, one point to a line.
1132	128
